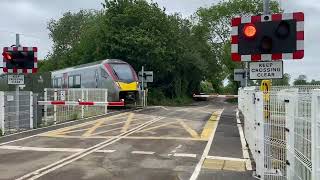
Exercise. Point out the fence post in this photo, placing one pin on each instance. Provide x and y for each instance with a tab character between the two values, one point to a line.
2	111
315	134
55	98
45	108
31	110
290	114
82	107
106	100
259	143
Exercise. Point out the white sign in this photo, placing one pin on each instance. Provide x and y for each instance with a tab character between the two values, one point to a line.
62	95
266	70
16	79
147	76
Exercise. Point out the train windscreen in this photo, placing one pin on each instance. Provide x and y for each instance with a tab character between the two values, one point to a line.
123	72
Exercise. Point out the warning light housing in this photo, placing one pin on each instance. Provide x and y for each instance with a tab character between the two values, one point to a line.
20	60
268	37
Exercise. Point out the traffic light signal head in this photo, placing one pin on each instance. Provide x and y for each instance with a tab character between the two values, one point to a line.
20	60
268	37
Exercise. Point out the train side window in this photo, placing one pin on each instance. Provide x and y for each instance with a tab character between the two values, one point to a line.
104	74
77	83
70	82
59	82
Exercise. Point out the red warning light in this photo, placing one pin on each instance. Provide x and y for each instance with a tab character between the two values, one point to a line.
7	56
249	30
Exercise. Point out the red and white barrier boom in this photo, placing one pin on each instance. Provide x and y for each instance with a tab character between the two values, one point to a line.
81	103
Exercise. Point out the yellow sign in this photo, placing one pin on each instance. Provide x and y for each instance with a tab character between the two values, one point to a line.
265	88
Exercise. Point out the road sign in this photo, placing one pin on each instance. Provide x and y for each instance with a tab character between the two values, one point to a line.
20	60
15	79
147	76
63	95
266	70
268	37
239	74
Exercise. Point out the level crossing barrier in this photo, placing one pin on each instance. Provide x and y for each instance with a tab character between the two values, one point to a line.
56	113
282	130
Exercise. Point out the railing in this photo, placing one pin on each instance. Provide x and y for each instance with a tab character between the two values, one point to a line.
57	114
16	112
282	130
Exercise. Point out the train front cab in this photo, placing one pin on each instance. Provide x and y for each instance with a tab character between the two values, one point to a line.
126	80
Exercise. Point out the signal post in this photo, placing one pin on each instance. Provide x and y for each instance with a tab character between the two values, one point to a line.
18	61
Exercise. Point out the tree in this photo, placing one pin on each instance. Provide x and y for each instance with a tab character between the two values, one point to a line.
216	22
139	33
301	80
285	81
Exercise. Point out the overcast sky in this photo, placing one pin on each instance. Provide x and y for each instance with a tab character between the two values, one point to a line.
30	17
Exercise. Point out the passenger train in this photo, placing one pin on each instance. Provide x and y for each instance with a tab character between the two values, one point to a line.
115	75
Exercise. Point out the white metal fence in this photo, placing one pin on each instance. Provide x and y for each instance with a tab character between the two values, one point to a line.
16	111
282	130
56	114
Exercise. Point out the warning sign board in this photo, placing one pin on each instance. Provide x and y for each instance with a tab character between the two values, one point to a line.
266	70
15	79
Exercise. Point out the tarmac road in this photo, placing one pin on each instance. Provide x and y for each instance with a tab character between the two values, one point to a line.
199	141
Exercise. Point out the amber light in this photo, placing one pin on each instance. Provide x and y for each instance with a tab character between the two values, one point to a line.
249	30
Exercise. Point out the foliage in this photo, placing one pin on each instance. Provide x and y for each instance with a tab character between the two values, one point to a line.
182	52
215	20
285	81
301	80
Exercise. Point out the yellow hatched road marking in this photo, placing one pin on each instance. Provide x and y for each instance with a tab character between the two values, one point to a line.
63	130
192	132
219	164
127	124
156	127
93	128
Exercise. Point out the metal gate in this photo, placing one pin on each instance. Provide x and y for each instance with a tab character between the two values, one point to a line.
16	111
282	130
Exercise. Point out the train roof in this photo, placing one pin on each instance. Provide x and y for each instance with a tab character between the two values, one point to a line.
91	64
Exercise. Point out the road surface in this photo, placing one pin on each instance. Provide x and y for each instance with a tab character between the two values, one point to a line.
200	141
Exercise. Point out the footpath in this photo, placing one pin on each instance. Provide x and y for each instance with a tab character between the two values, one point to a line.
227	158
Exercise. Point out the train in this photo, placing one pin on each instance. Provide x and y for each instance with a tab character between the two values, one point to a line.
117	76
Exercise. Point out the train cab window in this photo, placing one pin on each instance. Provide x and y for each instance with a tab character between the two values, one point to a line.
77	83
123	72
104	74
70	82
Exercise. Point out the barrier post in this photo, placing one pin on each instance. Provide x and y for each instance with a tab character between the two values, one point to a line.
82	107
259	143
106	100
55	97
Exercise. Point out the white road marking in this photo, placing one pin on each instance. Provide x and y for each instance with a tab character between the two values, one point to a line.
42	149
226	158
28	137
56	165
197	170
184	155
143	152
245	151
